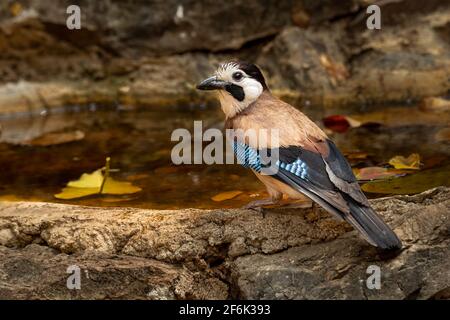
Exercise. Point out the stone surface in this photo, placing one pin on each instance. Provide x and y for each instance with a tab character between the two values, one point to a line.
152	53
209	254
307	61
38	272
161	27
348	65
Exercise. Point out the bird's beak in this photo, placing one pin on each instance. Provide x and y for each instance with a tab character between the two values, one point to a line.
212	83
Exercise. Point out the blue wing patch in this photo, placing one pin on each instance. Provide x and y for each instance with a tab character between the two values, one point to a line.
249	158
298	167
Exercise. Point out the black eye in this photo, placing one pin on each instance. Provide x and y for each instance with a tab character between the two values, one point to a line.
237	76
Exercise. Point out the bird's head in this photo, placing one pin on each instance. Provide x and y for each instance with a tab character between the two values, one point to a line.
238	84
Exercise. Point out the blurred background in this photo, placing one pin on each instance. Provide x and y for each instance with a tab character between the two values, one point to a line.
122	83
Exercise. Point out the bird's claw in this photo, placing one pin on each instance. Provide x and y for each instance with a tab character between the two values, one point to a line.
258	206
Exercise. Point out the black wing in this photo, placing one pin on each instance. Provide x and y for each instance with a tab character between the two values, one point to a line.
329	181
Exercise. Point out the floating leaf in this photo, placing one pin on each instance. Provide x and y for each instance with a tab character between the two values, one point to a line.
88	180
54	138
375	173
97	182
435	104
356	155
411	184
75	193
339	123
226	195
443	135
119	187
411	162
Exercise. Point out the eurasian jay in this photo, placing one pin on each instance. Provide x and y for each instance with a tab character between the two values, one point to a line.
308	162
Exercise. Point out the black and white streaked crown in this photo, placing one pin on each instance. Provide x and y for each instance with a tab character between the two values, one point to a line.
249	68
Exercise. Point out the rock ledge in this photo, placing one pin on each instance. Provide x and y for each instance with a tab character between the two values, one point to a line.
217	254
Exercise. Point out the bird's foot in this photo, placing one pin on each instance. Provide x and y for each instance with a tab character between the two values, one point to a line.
257	205
315	207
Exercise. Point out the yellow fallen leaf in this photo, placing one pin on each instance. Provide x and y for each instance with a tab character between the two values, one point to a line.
411	184
96	182
226	195
118	187
411	162
55	138
88	180
75	193
435	104
375	173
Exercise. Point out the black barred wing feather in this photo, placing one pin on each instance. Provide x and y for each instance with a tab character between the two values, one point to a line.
247	156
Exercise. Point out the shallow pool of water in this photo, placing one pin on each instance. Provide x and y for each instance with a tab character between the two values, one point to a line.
138	143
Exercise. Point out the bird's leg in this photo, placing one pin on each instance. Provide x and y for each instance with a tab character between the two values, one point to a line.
259	204
298	205
315	207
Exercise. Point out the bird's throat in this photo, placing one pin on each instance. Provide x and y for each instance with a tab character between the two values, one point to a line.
229	105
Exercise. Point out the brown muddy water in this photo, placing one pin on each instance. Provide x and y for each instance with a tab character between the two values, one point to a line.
139	145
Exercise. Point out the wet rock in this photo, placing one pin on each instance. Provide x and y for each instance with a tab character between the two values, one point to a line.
38	272
151	54
339	268
163	27
304	61
158	82
288	254
345	67
340	271
399	81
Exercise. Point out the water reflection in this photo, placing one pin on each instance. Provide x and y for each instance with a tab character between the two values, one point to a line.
138	143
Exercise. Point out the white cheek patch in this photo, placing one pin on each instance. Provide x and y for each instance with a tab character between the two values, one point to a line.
252	90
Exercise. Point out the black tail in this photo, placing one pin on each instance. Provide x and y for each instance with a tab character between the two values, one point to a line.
361	217
371	226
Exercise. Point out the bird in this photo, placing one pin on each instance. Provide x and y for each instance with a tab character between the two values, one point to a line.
308	162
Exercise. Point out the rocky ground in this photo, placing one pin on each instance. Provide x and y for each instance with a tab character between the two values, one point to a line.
218	254
152	53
